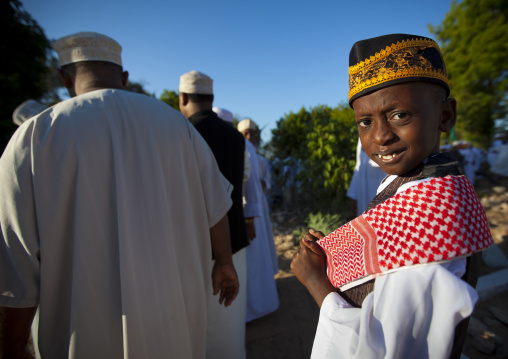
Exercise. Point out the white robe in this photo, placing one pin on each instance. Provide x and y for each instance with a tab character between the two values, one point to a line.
500	167
469	163
411	313
265	176
107	201
262	296
366	179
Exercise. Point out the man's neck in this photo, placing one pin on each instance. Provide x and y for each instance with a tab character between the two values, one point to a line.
195	108
93	85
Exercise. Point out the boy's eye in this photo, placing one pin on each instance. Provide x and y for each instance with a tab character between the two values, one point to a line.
363	123
399	116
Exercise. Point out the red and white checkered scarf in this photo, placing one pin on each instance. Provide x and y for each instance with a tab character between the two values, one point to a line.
433	221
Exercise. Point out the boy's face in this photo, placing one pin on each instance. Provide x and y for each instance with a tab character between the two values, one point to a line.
400	125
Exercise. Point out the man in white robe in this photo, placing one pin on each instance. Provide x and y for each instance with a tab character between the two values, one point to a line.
111	206
262	296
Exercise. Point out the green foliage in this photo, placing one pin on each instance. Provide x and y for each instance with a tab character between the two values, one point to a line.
323	141
23	68
474	41
137	87
323	222
171	98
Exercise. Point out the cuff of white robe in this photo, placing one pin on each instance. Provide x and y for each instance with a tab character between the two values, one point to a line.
252	210
334	301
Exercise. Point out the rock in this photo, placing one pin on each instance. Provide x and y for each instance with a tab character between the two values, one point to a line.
485	343
278	240
493	223
285	246
500	314
499	189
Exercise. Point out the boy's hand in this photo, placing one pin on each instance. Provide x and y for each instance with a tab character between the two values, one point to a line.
309	266
313	235
225	280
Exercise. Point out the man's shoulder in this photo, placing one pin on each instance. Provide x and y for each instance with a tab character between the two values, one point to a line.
214	127
125	99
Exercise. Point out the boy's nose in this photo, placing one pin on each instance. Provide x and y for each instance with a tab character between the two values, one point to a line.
382	133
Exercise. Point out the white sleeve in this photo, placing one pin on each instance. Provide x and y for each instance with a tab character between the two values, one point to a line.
252	191
411	313
246	166
19	238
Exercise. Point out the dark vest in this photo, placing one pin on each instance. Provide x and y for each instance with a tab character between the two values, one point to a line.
228	147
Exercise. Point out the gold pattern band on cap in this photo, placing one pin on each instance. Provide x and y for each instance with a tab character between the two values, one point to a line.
401	60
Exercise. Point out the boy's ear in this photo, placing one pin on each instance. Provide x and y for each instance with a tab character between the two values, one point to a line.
448	115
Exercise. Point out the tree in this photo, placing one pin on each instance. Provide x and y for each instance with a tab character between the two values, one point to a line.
171	98
474	41
137	87
323	141
23	66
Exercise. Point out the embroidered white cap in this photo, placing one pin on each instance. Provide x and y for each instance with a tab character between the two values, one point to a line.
246	124
195	82
26	110
87	46
223	114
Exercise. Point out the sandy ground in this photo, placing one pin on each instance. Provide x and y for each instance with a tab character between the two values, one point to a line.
289	331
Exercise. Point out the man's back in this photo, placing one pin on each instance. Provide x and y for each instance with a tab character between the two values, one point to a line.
124	194
228	147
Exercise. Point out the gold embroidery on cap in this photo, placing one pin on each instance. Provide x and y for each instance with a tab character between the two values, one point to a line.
400	60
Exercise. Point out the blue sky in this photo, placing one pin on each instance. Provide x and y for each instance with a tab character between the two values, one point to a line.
266	58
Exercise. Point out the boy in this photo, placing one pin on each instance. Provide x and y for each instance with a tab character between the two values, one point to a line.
425	218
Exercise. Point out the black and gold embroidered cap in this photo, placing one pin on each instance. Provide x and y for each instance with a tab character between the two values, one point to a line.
392	59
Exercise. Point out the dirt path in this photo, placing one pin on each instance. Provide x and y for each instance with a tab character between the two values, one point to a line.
289	332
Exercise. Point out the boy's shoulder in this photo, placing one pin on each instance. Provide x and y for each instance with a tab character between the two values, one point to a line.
442	165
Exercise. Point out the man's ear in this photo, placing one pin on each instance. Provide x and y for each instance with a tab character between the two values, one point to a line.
68	82
183	99
125	78
448	115
65	78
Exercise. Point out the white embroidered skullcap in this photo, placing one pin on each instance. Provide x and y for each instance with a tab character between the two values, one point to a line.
195	82
246	125
223	114
87	46
26	110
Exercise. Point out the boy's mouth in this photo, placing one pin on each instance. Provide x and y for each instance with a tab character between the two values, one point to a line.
388	157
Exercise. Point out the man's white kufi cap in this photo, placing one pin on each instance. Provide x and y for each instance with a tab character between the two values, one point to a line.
26	110
246	125
195	82
87	46
223	114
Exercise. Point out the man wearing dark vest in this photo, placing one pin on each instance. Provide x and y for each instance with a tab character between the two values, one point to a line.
225	328
397	281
